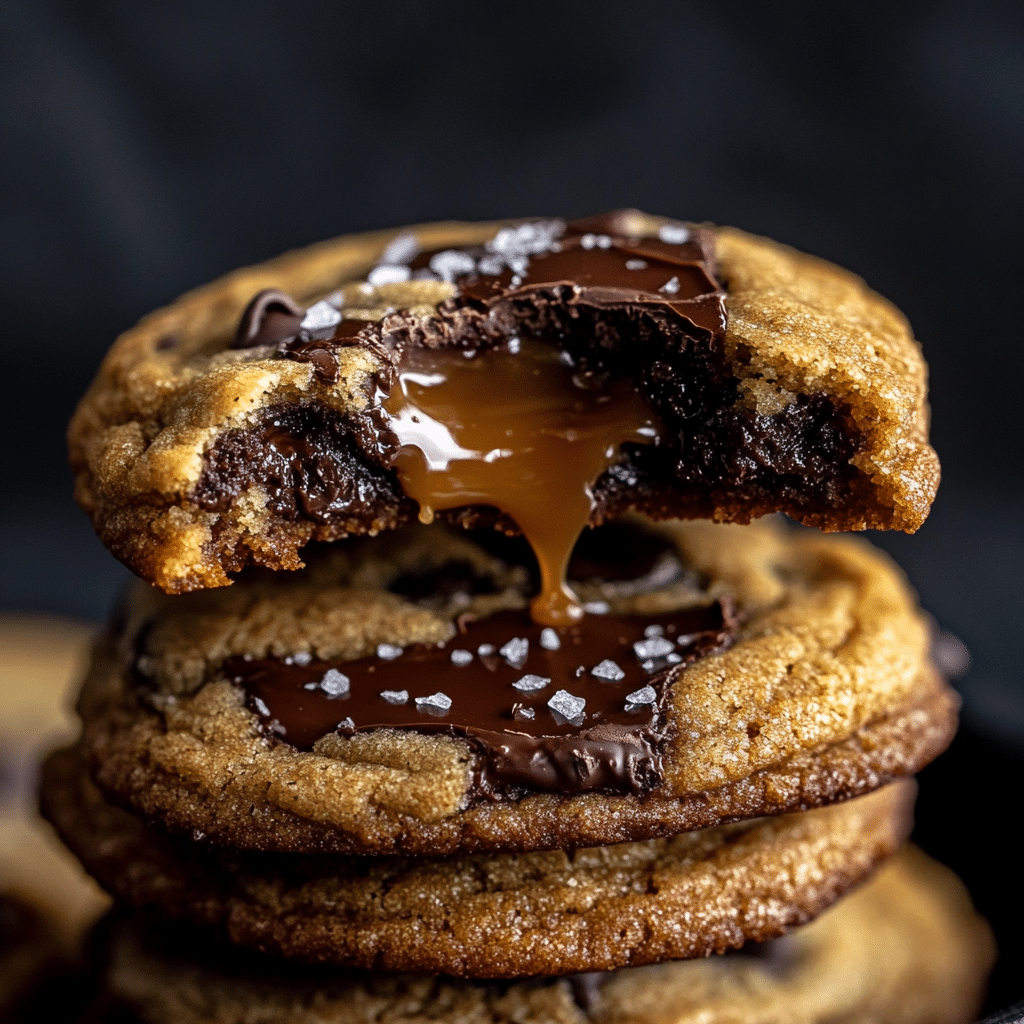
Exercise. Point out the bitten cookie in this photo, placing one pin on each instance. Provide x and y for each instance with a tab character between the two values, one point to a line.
493	915
774	382
394	696
907	948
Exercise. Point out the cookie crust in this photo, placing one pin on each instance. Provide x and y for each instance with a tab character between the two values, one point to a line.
171	390
906	948
502	915
827	693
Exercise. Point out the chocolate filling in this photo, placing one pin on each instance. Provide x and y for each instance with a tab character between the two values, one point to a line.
571	710
661	323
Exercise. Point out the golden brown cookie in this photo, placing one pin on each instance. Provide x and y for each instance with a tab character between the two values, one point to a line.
494	915
210	440
292	713
907	948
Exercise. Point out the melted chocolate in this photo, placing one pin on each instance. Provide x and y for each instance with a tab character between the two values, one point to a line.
524	744
270	317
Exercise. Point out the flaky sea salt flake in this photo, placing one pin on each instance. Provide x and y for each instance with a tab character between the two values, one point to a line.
461	657
516	651
395	696
302	657
319	316
636	264
670	287
549	639
401	249
608	670
596	607
653	647
388	652
674	234
438	700
645	695
567	705
530	683
654	630
485	649
451	264
335	683
388	273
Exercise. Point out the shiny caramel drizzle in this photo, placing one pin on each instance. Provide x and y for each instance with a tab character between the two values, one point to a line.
517	428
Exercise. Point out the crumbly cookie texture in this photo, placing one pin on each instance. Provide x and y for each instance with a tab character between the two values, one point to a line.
826	693
171	390
907	948
492	915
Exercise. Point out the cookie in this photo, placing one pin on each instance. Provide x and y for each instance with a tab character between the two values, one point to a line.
907	948
491	915
764	670
690	372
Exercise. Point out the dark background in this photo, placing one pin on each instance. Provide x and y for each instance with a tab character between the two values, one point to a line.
151	147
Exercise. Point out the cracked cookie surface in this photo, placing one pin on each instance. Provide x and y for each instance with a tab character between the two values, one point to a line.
824	691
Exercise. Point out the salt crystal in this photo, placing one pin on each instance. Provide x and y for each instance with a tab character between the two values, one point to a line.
670	287
451	264
461	657
596	607
654	647
334	683
588	241
604	242
636	264
438	700
567	705
674	234
261	707
526	239
549	639
674	659
491	265
311	686
302	658
530	683
654	631
388	652
346	723
401	249
388	273
607	669
319	316
514	345
395	696
516	651
485	649
527	713
645	695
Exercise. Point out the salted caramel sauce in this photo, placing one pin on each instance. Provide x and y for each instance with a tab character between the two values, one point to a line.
518	428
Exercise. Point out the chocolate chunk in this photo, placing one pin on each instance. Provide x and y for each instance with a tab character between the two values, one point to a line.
270	317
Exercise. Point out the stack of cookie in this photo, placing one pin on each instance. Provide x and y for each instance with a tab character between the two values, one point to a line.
510	712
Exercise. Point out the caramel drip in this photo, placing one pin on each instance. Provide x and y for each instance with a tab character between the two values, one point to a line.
519	429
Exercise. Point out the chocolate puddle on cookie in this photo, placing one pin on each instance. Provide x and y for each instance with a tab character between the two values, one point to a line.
567	710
